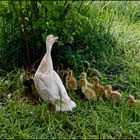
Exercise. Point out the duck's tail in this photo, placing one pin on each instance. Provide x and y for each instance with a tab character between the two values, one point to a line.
66	106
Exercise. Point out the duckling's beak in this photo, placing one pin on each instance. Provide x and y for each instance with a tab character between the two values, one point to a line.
105	91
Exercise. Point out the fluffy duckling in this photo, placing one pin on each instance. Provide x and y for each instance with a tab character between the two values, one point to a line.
28	85
83	76
87	88
94	71
87	91
107	92
25	81
131	101
71	82
97	87
61	72
115	96
34	91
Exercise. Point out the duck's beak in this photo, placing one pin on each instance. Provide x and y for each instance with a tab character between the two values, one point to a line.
56	38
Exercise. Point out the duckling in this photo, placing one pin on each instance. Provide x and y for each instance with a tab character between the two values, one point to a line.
28	84
61	72
97	87
25	81
94	71
131	101
107	92
83	76
34	91
115	96
87	91
71	82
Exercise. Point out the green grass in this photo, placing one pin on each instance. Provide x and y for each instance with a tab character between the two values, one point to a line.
100	119
95	120
89	120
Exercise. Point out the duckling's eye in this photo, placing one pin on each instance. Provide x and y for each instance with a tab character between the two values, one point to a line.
61	72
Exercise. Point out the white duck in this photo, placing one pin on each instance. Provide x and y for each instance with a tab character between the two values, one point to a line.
48	83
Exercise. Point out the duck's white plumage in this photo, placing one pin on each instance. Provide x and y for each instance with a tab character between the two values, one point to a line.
49	84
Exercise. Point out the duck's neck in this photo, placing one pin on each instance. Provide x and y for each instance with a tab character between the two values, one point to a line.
85	83
48	50
46	63
48	53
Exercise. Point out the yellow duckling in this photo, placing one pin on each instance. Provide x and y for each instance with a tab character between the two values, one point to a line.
71	82
97	87
87	91
61	72
131	101
83	76
115	96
